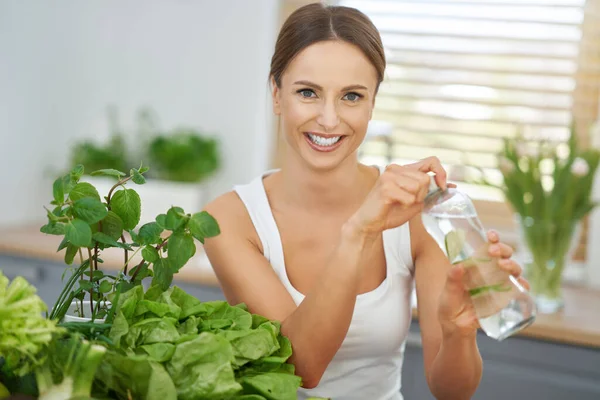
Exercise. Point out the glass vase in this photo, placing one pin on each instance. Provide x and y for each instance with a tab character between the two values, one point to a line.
547	246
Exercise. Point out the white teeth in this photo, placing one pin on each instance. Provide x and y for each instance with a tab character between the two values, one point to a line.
321	141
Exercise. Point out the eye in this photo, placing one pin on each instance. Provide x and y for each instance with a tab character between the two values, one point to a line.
306	93
353	97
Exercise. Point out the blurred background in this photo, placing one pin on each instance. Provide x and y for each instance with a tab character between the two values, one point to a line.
182	85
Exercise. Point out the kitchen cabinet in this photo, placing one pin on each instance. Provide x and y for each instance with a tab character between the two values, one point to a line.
517	368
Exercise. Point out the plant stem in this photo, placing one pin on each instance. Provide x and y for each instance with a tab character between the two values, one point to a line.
137	269
108	198
126	258
89	262
91	284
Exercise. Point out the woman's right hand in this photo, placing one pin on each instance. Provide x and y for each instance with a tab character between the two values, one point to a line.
397	196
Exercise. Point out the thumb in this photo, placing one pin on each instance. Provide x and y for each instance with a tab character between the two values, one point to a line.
454	282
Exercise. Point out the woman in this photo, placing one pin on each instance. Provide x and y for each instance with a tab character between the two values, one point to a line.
329	246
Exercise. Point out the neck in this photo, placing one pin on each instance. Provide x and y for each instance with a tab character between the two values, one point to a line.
324	190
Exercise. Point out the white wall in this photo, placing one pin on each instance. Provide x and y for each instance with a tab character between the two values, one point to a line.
201	63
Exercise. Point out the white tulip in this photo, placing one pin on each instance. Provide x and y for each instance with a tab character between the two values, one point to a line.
580	167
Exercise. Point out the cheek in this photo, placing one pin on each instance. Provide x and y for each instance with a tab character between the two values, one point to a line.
294	114
357	118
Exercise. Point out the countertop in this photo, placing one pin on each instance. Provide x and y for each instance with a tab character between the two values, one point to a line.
578	323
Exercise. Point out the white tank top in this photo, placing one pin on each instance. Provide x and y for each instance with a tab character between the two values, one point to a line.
368	364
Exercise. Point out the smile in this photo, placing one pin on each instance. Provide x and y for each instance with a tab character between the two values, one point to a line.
323	143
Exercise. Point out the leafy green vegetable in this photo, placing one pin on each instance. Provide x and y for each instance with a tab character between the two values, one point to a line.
24	332
126	204
210	350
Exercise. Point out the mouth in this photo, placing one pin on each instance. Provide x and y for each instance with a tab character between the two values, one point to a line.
324	143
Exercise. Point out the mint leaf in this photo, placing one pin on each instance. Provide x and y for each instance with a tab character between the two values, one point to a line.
144	169
175	219
76	172
150	233
112	225
161	219
105	239
136	177
203	225
83	190
58	191
181	249
127	205
163	275
108	172
63	244
150	254
54	228
105	287
70	254
79	233
90	210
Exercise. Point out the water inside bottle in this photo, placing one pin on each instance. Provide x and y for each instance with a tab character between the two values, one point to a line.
501	303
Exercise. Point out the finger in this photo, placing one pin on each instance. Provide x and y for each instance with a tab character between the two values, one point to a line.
451	185
524	282
493	236
500	250
454	281
392	193
432	164
511	266
413	181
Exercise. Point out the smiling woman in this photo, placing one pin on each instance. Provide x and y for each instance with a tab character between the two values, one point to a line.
331	247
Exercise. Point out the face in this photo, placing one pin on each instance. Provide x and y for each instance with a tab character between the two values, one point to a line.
325	102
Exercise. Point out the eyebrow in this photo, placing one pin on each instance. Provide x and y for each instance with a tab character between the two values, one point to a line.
319	87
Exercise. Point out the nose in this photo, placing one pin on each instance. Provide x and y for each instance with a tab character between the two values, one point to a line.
328	117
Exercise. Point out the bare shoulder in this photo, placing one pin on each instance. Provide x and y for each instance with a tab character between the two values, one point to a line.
233	218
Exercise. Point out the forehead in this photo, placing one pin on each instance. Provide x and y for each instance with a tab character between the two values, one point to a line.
332	62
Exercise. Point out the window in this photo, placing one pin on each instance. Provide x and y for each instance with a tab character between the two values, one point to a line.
463	74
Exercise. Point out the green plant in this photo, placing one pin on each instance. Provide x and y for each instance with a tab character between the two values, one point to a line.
184	156
96	156
549	187
90	224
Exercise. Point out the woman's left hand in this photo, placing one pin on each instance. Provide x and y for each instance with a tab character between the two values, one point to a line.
455	311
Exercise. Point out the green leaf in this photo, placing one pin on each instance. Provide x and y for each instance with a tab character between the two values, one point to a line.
58	191
85	285
150	254
175	219
136	177
251	345
108	172
144	169
105	287
79	233
150	233
272	385
83	190
202	225
127	205
207	358
70	254
181	249
90	210
105	239
161	220
63	244
54	228
77	172
159	352
163	274
112	225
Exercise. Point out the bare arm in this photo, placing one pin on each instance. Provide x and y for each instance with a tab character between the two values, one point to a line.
319	325
453	365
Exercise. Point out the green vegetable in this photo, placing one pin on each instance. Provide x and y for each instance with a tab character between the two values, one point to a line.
24	332
454	242
69	369
203	350
489	288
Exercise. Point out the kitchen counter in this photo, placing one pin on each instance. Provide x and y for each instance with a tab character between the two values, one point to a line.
577	324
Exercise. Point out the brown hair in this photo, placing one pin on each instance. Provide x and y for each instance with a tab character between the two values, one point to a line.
316	23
